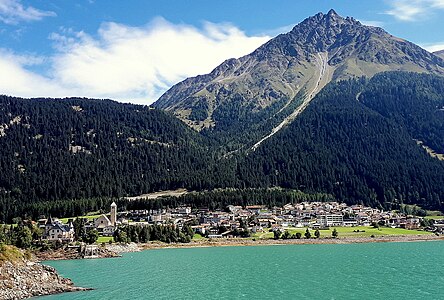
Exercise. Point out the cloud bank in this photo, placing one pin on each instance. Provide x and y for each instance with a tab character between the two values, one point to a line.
433	47
130	64
12	12
414	10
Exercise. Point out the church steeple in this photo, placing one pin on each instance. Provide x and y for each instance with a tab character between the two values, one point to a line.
113	217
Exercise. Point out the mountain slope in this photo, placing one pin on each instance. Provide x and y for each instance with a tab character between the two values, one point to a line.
52	149
358	141
265	90
439	53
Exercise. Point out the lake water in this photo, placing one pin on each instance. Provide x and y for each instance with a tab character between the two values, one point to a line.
353	271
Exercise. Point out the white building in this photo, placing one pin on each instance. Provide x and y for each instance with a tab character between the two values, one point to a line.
57	231
328	220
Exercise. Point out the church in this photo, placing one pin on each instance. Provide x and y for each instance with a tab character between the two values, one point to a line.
106	226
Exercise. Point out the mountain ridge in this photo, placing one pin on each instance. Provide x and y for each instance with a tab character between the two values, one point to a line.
262	84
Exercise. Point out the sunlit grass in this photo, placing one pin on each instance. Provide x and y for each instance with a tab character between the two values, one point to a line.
358	231
104	239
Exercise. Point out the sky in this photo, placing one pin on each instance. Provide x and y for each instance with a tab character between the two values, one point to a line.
134	50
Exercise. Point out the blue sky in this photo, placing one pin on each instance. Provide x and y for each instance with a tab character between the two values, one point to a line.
133	50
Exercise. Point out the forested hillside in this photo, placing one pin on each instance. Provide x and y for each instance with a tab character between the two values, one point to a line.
414	101
374	141
358	141
78	148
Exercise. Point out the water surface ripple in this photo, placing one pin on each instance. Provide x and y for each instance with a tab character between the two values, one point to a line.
352	271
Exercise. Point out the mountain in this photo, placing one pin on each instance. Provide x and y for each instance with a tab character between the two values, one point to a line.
328	109
260	93
55	149
377	141
439	53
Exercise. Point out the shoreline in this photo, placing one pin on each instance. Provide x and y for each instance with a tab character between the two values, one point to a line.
302	241
115	250
119	249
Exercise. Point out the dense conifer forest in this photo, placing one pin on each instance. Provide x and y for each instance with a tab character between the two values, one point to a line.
359	141
58	149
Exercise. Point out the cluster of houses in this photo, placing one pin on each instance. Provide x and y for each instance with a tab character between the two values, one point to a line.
255	218
55	230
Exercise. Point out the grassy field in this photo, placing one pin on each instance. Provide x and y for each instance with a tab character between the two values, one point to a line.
89	217
197	237
104	239
435	217
347	232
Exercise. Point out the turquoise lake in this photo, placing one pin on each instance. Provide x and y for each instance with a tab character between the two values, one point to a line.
412	270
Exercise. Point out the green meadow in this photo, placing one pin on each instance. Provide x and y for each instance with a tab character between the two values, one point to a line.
358	231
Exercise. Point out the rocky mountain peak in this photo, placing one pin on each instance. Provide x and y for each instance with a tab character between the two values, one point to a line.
270	81
330	19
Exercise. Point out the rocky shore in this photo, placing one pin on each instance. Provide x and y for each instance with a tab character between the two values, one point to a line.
74	253
25	279
123	248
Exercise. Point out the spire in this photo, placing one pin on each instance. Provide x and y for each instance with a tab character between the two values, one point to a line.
49	221
332	13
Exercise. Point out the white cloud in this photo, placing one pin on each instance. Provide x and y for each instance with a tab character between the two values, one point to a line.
433	47
131	64
12	12
372	23
18	81
413	10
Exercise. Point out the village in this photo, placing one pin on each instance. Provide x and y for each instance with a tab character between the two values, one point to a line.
240	221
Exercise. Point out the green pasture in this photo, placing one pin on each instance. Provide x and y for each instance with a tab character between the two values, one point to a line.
197	237
358	231
435	217
89	217
104	239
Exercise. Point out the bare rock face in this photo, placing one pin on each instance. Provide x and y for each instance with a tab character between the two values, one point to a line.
259	87
26	279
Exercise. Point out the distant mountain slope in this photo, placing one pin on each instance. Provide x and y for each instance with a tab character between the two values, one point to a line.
259	91
358	141
439	53
77	148
414	101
